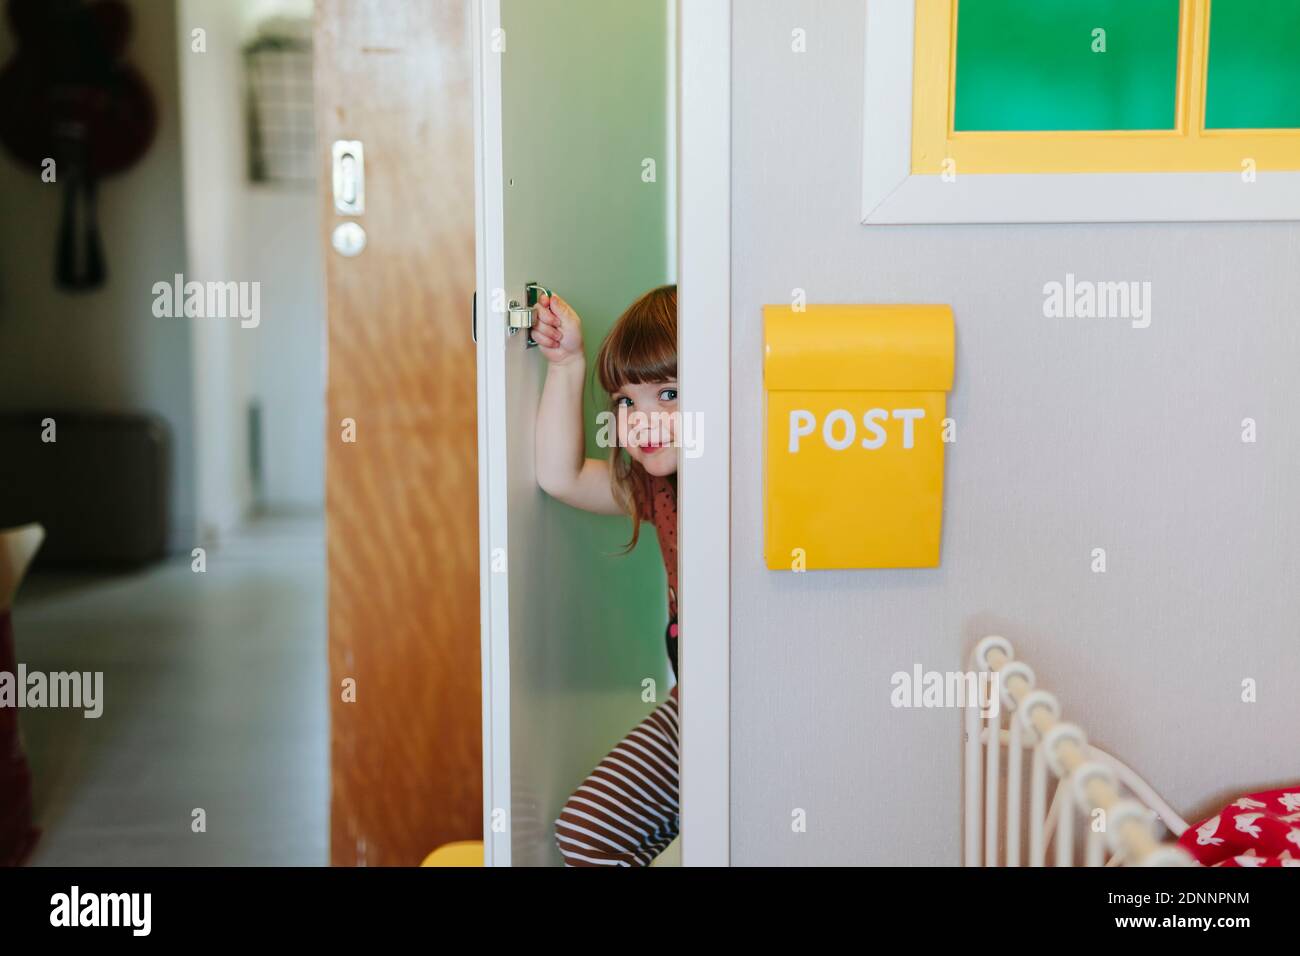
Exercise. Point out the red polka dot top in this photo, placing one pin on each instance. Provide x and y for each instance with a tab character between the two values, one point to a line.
658	503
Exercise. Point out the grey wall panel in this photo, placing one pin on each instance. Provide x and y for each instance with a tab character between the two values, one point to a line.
1072	434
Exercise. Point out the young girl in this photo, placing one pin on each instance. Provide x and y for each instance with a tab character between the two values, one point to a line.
625	812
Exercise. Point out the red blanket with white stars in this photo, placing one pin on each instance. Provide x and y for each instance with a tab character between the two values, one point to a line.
1259	829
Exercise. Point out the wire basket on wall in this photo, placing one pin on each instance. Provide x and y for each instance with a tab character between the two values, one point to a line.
281	127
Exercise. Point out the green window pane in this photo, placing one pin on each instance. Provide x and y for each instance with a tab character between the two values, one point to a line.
1254	80
1042	65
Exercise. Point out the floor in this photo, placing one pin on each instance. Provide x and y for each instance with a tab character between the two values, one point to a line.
215	700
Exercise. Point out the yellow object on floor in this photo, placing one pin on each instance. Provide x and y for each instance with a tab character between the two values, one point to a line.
462	853
671	856
470	853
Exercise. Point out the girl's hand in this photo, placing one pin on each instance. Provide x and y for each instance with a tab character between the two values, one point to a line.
558	332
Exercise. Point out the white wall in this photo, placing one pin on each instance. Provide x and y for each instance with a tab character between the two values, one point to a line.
1072	434
283	250
217	228
254	11
288	361
242	231
105	350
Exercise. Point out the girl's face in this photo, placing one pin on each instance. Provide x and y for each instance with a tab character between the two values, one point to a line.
648	424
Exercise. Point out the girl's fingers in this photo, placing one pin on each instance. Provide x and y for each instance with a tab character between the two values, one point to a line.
555	319
559	306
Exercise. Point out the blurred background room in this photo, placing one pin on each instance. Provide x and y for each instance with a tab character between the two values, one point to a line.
175	460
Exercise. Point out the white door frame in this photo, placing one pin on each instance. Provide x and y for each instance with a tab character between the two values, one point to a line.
704	360
704	372
494	591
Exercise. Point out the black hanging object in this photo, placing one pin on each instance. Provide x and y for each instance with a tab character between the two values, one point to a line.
68	96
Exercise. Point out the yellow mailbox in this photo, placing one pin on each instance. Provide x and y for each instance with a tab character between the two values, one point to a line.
856	407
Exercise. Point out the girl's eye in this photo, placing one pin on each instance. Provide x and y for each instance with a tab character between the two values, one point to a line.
668	395
623	401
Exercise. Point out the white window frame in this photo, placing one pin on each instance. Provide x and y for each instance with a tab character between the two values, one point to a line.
892	194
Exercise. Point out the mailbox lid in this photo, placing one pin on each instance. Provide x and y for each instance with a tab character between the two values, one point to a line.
858	348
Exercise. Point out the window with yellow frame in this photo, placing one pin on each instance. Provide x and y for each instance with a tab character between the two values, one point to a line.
1100	101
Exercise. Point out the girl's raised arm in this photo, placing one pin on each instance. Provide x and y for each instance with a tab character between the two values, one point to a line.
563	470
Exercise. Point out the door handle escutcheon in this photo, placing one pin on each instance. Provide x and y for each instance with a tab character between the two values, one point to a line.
349	171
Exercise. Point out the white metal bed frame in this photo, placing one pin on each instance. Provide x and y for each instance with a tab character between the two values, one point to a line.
1088	780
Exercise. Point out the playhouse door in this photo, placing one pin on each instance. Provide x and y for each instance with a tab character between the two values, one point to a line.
573	108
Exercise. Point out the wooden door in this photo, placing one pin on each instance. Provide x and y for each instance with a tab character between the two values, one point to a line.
401	499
